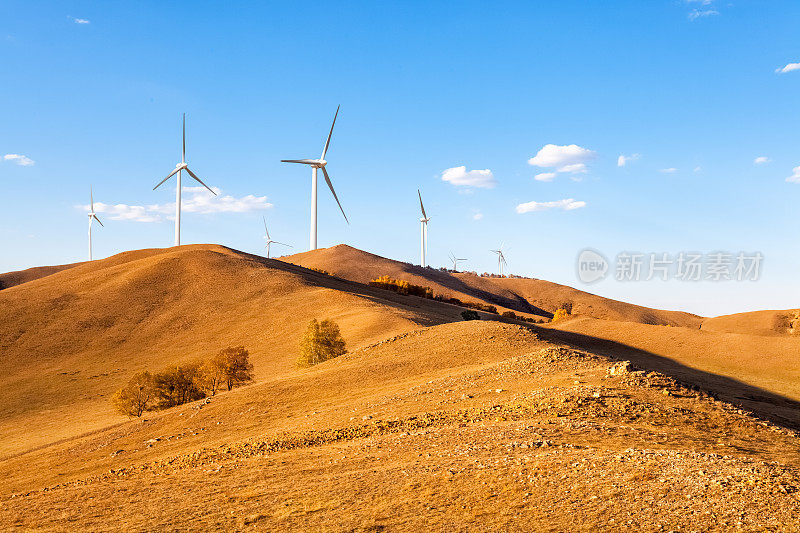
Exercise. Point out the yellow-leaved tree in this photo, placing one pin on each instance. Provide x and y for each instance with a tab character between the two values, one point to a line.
321	341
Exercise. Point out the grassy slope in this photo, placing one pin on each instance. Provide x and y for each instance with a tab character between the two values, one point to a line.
68	340
531	296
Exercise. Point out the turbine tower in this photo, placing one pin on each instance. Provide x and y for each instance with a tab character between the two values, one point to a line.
92	217
501	260
455	261
318	164
269	239
424	231
178	169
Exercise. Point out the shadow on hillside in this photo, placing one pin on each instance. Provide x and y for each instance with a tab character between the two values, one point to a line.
762	403
518	303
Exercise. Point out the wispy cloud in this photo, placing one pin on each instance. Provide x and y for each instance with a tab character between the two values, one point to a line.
761	160
788	68
461	177
477	216
623	160
79	21
545	176
670	170
795	177
196	200
700	13
569	159
567	204
19	159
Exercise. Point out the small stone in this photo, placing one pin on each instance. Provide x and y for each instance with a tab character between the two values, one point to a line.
366	417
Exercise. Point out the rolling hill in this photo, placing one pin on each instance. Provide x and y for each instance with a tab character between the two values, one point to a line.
428	421
530	296
766	323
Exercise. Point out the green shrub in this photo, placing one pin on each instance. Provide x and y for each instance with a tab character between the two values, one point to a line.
470	315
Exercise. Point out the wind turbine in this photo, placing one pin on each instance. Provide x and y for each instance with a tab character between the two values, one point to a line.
318	164
455	261
269	239
92	217
424	231
501	260
178	168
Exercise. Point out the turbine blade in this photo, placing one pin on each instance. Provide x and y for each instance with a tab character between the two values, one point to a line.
183	153
330	186
98	220
328	142
265	227
165	179
199	180
420	204
91	198
302	161
283	243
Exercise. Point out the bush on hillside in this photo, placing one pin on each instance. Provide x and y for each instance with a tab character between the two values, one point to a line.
560	314
321	341
134	398
237	366
401	287
178	384
470	315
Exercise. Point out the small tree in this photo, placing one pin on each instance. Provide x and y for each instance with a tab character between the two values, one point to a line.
178	384
214	372
135	397
238	368
321	341
560	314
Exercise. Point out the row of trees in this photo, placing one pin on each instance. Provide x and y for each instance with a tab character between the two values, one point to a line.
184	383
404	287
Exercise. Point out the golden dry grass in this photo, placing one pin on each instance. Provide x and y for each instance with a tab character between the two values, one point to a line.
428	423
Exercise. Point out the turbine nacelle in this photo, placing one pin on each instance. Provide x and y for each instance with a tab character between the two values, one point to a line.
181	166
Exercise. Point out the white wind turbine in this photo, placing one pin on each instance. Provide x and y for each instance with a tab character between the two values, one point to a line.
178	168
424	231
92	217
269	239
501	260
455	261
318	164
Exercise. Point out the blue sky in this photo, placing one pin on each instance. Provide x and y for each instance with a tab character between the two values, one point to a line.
92	93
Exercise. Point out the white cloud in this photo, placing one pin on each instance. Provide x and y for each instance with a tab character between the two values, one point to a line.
195	200
668	170
698	168
795	177
623	160
19	159
477	216
567	205
567	158
701	2
761	160
545	176
788	68
460	177
79	21
700	13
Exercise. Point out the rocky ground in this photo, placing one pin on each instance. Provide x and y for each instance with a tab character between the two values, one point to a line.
555	439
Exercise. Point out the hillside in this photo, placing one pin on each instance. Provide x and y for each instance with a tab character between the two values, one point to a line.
531	296
766	323
10	279
68	340
465	426
759	372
